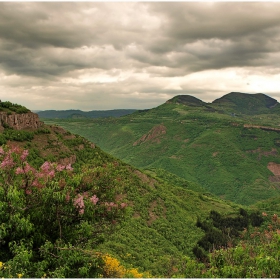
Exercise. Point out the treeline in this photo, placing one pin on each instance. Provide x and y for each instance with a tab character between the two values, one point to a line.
256	255
12	107
223	231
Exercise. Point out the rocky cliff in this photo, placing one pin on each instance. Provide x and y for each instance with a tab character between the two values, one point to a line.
19	121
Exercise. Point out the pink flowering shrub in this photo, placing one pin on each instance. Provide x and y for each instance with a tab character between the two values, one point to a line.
50	209
79	203
58	184
94	199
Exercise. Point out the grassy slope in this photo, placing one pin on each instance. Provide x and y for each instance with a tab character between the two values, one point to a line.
201	145
160	223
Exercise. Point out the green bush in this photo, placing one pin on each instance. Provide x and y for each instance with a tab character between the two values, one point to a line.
51	219
13	107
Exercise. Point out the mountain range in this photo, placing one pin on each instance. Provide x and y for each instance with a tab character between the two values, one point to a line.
230	146
74	114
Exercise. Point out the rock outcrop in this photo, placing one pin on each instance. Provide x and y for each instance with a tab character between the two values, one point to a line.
19	121
152	135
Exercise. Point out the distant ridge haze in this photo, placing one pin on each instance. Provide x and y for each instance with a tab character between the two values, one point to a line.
65	114
237	101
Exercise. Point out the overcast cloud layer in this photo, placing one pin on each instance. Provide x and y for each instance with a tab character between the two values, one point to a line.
95	56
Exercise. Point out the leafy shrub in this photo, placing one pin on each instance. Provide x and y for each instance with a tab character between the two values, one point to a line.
14	107
221	231
18	135
51	221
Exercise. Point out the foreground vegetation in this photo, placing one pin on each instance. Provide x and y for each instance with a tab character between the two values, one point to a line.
256	256
56	222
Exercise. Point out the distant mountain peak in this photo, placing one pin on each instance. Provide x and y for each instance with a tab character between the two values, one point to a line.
186	100
250	102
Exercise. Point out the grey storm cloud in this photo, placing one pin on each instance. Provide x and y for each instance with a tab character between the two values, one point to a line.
135	53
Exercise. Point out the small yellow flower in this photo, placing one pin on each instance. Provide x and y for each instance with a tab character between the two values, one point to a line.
1	264
19	275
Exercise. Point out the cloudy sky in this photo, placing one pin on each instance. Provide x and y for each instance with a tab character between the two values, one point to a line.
101	55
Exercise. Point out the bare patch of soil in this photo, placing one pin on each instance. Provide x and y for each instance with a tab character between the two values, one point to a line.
261	153
153	135
274	168
176	157
153	216
150	181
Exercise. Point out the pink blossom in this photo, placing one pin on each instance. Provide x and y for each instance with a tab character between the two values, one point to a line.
46	166
60	167
94	199
123	205
51	173
28	168
40	175
19	170
24	155
79	203
68	167
2	152
28	192
7	162
36	183
15	149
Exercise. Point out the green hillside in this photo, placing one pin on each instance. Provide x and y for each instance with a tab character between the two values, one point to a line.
248	104
68	209
230	147
140	221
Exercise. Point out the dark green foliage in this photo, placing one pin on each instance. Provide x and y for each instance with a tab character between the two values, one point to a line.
3	139
256	255
256	219
18	135
223	230
74	142
42	130
7	106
